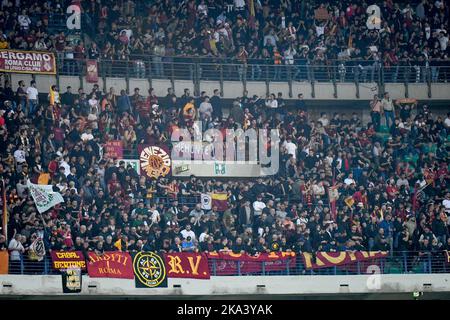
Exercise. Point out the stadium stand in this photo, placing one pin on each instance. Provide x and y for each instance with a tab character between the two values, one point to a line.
343	184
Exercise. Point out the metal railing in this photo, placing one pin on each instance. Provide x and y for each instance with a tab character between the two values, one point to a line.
194	69
398	263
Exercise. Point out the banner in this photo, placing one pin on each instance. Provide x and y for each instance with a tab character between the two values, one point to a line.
68	259
149	270
187	265
332	259
114	149
91	71
447	257
36	251
154	161
226	263
35	62
220	200
44	197
110	265
4	262
206	201
71	280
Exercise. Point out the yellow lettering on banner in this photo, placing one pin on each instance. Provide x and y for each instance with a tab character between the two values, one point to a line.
288	254
194	267
273	255
308	262
365	254
214	254
352	256
175	265
235	255
92	259
125	261
337	260
373	253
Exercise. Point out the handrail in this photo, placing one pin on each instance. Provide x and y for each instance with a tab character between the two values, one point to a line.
154	67
399	262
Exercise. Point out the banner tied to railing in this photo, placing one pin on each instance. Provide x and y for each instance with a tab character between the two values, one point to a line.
17	61
332	259
226	263
68	259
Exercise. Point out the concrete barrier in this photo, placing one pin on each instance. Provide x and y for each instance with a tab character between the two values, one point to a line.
27	285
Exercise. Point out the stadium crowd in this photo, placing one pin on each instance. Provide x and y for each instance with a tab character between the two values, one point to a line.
392	178
289	32
391	175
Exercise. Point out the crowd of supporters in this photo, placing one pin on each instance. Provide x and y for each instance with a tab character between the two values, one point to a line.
288	32
391	175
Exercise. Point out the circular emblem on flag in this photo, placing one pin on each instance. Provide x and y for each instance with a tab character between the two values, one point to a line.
149	268
155	162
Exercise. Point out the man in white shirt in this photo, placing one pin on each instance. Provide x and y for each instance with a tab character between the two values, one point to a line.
290	146
388	109
87	136
188	232
447	121
324	119
24	20
205	109
20	155
258	206
446	203
64	163
349	180
32	98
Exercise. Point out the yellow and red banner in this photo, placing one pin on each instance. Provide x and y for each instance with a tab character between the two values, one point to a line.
332	259
4	262
36	62
187	265
68	259
229	263
220	200
111	264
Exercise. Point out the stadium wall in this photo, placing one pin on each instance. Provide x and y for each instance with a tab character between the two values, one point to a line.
232	89
25	285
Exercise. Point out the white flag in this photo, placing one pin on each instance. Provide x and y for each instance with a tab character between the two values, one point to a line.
37	250
206	201
44	197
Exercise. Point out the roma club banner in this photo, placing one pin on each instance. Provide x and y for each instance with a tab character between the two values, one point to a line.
111	264
149	270
332	259
68	259
36	62
187	265
91	71
226	263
